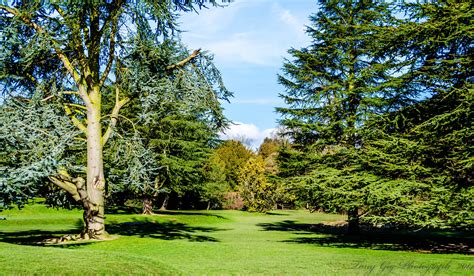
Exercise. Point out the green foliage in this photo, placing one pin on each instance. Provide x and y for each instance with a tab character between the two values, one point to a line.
268	150
36	140
361	143
95	54
233	155
258	194
438	130
215	187
174	118
332	85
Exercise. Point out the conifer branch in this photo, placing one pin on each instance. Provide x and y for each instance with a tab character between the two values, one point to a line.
113	15
77	41
39	29
184	61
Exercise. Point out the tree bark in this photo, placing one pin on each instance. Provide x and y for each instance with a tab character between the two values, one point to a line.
94	207
147	206
353	221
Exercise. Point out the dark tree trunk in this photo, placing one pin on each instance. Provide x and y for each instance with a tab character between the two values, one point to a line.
165	203
353	220
147	206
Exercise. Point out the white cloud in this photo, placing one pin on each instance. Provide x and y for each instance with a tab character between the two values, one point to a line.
297	25
245	47
207	23
250	134
263	41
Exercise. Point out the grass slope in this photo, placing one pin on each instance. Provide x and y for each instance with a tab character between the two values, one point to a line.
208	242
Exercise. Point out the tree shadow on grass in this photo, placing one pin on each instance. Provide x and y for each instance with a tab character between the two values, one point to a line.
275	214
144	228
38	236
165	230
376	238
188	213
135	210
34	237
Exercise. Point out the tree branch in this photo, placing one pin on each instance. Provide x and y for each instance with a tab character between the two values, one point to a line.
76	37
77	106
70	93
39	29
113	13
67	186
114	115
74	186
184	61
110	61
74	120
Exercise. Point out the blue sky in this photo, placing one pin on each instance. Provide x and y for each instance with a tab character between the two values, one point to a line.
249	39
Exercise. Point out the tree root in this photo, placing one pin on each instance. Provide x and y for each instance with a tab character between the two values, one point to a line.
78	238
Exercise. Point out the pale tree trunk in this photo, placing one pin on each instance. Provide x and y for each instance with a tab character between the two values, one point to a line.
94	209
165	203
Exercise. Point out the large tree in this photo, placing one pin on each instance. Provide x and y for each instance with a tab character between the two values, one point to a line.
426	149
331	88
74	46
171	126
408	161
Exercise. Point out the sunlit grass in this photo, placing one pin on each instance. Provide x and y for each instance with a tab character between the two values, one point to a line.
204	242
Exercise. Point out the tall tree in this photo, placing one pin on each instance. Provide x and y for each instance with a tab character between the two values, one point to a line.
409	161
176	117
332	86
434	165
75	46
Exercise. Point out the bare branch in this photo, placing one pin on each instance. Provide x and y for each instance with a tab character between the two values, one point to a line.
110	61
184	61
114	115
74	120
74	186
67	186
77	106
70	93
47	98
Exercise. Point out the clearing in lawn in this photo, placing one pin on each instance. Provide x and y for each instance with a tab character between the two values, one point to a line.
223	242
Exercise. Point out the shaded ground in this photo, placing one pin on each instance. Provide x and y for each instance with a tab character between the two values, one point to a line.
34	237
335	236
138	227
189	213
165	230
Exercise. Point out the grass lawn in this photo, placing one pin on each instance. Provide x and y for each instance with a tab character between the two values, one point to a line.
217	242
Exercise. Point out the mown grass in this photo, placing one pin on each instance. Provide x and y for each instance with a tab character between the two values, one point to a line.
215	242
